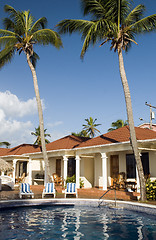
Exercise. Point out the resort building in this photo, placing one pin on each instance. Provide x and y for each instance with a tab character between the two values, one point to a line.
97	161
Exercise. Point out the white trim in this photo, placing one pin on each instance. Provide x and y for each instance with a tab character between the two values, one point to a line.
147	149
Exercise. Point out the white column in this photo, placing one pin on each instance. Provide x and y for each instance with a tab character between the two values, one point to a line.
14	170
104	170
77	158
65	160
30	171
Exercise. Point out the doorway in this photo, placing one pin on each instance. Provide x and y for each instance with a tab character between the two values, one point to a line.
71	167
58	167
114	166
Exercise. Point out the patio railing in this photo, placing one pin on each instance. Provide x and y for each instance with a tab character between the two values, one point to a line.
105	194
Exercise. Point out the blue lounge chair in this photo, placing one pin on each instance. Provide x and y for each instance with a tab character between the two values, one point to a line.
71	189
49	189
25	190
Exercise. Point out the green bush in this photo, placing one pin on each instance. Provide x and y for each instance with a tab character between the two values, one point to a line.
81	183
151	189
73	180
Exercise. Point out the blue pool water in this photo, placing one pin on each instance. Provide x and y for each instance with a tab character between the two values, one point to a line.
75	223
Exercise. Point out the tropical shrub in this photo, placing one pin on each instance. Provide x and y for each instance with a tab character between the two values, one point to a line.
81	183
151	190
73	180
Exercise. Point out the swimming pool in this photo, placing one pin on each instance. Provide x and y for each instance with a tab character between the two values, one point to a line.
62	222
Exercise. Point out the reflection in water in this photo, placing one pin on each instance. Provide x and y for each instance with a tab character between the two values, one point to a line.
105	227
75	223
139	228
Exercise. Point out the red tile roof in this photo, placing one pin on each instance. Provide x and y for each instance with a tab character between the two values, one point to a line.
118	136
71	142
3	151
68	142
21	149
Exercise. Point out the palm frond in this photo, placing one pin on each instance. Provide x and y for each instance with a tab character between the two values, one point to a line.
146	24
98	31
8	24
46	36
17	18
6	33
112	7
8	40
6	55
11	11
34	58
73	25
94	7
135	15
39	24
27	20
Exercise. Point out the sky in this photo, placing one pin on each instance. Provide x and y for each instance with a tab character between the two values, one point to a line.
71	89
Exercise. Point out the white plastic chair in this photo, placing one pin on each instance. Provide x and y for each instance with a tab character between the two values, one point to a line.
71	189
25	190
49	190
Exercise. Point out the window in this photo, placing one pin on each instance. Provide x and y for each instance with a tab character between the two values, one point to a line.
71	167
58	167
22	168
131	165
145	163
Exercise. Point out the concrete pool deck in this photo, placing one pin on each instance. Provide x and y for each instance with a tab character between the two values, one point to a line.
86	197
92	193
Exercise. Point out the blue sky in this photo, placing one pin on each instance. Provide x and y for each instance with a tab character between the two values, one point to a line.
72	89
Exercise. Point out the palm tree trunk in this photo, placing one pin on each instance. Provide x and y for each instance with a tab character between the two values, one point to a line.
41	123
131	126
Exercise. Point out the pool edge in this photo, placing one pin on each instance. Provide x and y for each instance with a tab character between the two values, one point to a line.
141	207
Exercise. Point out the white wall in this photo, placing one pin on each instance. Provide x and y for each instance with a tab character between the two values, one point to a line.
98	170
152	163
89	170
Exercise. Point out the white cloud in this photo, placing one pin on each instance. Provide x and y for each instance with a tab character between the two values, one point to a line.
14	128
58	134
55	124
15	132
12	106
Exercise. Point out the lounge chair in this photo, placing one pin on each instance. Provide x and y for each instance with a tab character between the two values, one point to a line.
57	180
25	190
49	189
71	189
20	179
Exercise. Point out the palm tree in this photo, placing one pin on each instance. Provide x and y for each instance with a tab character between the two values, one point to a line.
118	22
21	34
118	124
83	133
37	133
90	127
7	144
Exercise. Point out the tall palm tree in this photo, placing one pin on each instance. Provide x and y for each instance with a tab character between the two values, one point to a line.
90	127
21	34
118	124
37	133
118	22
